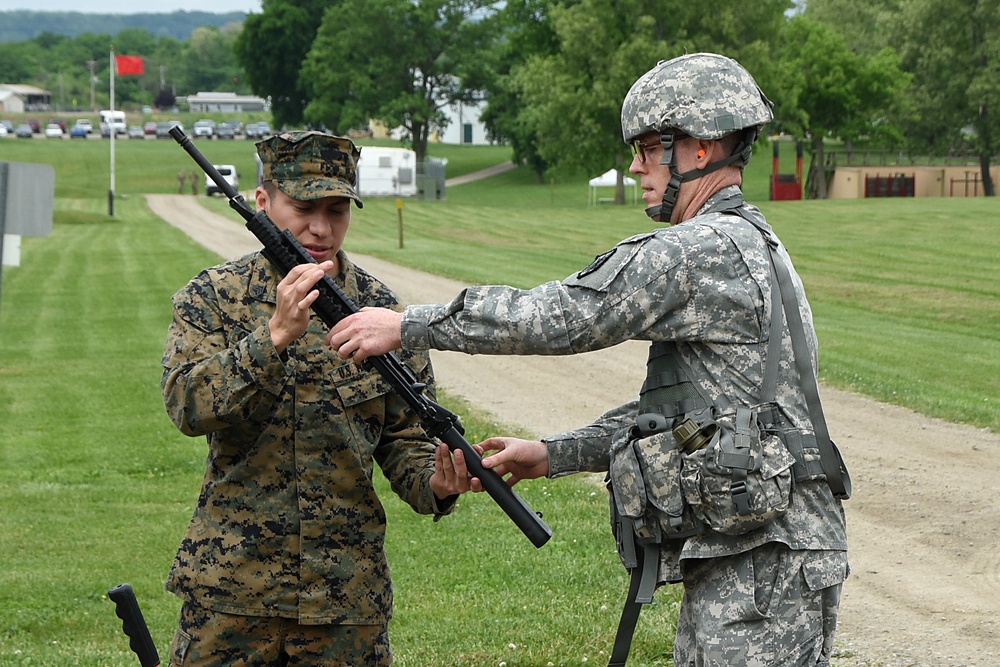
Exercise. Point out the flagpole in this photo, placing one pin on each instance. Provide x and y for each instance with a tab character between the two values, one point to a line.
111	127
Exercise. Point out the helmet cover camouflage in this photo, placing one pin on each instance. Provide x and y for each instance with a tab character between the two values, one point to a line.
308	165
704	95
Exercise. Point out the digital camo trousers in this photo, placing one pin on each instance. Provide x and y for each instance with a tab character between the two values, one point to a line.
207	638
768	607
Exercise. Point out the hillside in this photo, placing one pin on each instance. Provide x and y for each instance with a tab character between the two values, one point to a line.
23	25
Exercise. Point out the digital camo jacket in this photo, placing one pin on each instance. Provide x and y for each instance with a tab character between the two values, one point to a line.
703	285
287	523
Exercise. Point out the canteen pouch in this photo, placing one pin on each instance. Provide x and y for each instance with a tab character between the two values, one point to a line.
741	480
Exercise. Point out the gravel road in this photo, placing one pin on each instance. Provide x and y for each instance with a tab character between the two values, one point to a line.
923	523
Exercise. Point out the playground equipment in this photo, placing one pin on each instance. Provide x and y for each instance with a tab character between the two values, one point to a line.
786	187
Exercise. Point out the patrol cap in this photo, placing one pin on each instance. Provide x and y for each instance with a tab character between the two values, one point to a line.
308	165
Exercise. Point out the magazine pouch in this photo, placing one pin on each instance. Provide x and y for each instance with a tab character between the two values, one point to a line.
645	484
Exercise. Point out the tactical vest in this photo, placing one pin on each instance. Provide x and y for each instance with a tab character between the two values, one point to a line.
652	491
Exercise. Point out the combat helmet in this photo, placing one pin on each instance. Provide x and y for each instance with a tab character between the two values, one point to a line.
703	95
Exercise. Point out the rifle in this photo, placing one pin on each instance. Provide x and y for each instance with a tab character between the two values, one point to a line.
285	252
134	625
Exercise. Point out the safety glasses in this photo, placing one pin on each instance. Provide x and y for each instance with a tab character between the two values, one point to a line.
640	149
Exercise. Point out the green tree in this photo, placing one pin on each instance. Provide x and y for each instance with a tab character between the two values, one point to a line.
526	32
271	48
209	61
828	91
952	49
396	61
866	25
572	98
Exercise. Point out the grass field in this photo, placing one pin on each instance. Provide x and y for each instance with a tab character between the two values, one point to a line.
97	486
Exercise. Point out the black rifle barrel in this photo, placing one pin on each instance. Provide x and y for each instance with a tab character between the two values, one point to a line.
285	252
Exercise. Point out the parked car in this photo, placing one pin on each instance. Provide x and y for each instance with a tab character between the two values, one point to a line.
135	132
225	131
228	172
78	132
105	131
203	128
258	130
23	131
54	131
3	131
35	126
85	124
9	125
163	129
61	122
149	127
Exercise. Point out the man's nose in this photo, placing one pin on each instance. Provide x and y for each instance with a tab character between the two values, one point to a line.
320	223
636	165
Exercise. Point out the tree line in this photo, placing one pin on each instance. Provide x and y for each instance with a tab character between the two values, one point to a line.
19	25
908	75
76	69
911	75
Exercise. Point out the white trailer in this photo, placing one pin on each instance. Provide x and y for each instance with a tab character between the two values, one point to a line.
387	171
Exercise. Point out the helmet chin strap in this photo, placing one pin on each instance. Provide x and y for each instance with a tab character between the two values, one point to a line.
740	156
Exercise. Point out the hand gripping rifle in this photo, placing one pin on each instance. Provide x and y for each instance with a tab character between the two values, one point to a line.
285	252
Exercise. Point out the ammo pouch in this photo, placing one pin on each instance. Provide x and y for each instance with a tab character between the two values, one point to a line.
741	479
644	481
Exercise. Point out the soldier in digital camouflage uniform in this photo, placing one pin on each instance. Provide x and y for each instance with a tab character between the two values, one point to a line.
700	290
283	562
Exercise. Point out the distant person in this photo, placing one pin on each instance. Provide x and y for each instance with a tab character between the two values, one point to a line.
717	481
181	180
194	182
284	560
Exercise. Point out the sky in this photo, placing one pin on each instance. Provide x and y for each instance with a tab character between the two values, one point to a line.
132	6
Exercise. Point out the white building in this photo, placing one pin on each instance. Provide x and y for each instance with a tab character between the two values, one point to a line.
15	98
226	102
464	127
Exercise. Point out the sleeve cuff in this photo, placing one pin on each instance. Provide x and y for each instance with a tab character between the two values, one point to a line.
269	368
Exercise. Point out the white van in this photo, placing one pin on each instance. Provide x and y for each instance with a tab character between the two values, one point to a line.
115	120
228	172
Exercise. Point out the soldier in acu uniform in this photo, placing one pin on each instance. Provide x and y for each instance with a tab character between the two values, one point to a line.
756	593
283	562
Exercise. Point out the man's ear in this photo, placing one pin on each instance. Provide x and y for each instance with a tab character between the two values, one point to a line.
704	152
260	198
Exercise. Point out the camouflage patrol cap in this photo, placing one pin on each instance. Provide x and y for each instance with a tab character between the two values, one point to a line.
704	95
308	165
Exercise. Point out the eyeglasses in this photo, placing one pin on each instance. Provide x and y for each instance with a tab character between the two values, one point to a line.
641	149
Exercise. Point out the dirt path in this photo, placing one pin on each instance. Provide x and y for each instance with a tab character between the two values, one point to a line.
924	522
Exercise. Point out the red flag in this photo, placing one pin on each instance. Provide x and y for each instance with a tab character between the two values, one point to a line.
126	65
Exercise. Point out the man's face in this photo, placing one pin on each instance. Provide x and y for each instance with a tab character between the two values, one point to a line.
320	225
653	176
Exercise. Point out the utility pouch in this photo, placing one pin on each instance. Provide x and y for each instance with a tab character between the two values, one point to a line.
741	479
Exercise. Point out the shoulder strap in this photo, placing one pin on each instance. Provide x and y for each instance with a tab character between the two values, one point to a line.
836	472
837	475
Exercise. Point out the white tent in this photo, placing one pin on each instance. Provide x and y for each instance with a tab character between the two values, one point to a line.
609	179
